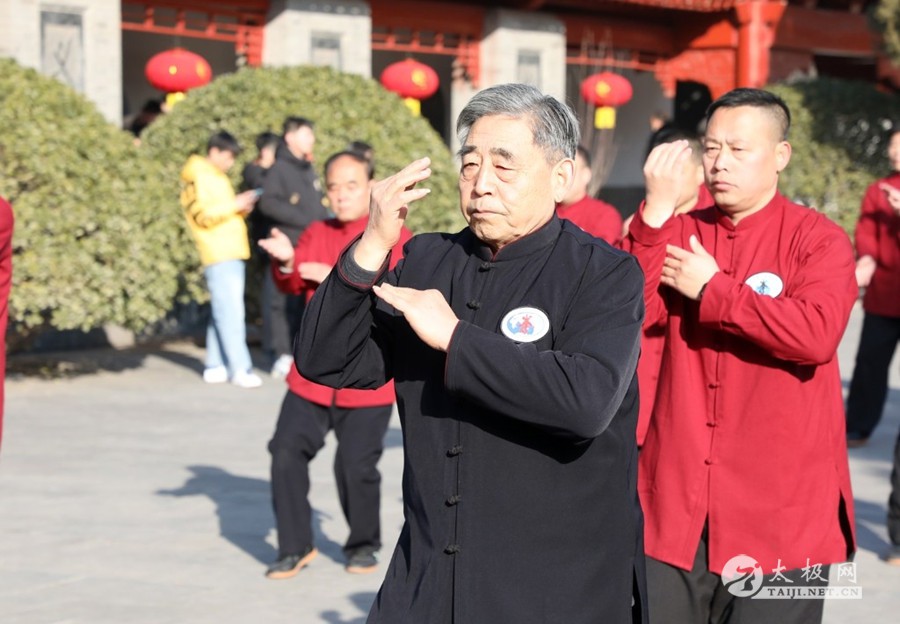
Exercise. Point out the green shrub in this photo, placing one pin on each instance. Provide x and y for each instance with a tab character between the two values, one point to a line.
344	107
886	14
838	139
90	246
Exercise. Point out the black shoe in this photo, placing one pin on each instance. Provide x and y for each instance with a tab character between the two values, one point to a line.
856	440
288	565
893	555
362	560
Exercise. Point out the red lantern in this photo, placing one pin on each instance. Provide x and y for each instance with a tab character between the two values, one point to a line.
411	80
606	90
176	71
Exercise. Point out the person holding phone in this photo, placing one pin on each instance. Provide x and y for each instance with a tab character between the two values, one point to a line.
216	217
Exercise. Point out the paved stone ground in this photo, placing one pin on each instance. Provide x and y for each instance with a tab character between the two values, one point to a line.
132	492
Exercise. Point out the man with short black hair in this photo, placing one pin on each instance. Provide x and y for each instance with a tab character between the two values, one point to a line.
216	219
291	200
693	196
743	477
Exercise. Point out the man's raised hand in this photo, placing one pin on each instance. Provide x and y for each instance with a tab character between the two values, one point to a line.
390	202
663	175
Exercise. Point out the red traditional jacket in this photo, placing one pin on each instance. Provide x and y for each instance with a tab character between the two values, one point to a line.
878	235
594	217
323	241
652	341
6	233
748	429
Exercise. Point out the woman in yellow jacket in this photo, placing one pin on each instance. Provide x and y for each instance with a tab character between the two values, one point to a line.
216	218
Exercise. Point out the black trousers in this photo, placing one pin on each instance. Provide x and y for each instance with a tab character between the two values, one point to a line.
868	389
299	435
281	316
893	519
700	597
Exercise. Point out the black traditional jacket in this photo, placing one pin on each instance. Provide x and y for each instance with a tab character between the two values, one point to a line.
519	481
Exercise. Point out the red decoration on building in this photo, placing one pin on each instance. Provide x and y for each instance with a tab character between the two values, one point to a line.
176	71
606	90
411	80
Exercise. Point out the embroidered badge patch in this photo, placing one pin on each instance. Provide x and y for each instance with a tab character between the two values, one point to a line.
765	283
525	324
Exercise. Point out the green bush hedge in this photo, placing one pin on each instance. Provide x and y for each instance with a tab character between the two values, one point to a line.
838	137
344	107
100	236
89	245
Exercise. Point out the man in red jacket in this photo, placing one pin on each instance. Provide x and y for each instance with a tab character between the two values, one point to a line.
591	215
6	234
359	418
878	271
743	476
693	196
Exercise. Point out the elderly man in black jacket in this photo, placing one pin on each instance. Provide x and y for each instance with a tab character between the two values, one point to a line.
513	346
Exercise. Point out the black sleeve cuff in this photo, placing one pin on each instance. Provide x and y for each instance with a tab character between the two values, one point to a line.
354	273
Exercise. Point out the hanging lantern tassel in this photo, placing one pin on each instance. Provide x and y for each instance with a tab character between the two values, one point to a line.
605	118
173	98
414	106
606	91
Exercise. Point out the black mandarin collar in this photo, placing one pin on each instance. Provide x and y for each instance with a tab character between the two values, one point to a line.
530	243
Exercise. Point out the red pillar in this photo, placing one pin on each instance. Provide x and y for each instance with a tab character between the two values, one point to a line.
757	21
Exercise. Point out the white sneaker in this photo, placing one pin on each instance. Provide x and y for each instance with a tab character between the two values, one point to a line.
282	366
246	380
216	374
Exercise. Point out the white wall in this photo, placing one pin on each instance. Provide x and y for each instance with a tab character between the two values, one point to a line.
511	34
292	25
79	43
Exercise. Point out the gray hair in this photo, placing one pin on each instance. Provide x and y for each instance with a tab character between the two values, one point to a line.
553	124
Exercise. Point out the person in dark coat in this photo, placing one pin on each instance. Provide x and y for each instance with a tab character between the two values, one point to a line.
253	175
512	345
291	200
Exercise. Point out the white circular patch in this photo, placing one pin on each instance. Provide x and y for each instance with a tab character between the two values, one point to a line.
767	284
525	324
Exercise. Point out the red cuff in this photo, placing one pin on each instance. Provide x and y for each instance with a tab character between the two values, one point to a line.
645	234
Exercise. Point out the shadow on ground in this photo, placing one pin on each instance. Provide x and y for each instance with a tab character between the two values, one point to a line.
244	509
363	601
870	514
62	364
77	362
